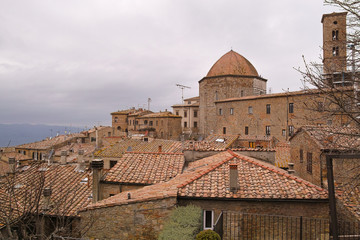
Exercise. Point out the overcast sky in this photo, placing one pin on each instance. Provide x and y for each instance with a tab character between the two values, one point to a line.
74	62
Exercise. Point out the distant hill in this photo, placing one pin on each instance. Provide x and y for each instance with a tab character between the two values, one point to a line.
17	134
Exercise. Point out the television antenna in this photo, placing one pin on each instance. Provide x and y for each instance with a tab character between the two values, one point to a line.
182	87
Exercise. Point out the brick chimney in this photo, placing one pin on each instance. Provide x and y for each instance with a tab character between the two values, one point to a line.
47	196
80	160
97	166
12	165
63	157
234	178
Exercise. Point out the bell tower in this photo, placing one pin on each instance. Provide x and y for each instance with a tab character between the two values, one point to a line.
334	42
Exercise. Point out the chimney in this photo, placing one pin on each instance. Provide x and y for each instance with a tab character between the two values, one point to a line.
47	195
160	148
291	168
12	165
97	166
63	157
80	160
234	178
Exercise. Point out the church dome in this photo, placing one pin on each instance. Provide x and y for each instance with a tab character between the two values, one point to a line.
232	63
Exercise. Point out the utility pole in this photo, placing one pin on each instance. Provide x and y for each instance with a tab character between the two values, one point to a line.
182	91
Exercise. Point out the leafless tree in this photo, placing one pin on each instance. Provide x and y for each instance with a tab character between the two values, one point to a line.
41	203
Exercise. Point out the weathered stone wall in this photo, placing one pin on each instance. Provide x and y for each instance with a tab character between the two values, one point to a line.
129	221
303	142
290	208
110	189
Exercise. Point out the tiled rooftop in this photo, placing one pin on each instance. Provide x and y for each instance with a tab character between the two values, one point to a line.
160	114
48	143
146	168
211	143
349	194
69	190
344	138
136	145
209	178
73	150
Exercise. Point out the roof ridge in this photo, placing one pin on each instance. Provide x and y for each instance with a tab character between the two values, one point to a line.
203	172
164	153
272	169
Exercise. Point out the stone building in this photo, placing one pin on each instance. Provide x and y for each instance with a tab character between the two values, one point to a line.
231	76
163	125
309	148
189	111
233	98
223	182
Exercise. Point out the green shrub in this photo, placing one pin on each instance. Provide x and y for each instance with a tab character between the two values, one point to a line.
208	235
183	224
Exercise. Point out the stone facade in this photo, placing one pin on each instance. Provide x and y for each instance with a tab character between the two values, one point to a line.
136	220
334	42
189	111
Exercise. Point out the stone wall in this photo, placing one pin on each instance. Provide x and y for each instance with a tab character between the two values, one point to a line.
111	189
129	221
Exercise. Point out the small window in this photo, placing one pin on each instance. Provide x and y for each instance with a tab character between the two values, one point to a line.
111	194
301	155
195	113
242	93
150	123
291	107
268	108
283	132
145	122
195	125
109	134
309	162
231	111
208	219
335	35
224	130
185	124
189	102
246	130
92	139
291	130
251	144
250	110
267	130
157	123
177	113
185	113
335	51
112	163
220	111
216	96
115	119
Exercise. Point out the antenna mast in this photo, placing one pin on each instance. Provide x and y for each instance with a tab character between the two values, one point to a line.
182	90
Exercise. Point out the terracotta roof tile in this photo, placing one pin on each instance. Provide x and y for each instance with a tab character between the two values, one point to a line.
69	190
209	178
50	142
146	168
136	145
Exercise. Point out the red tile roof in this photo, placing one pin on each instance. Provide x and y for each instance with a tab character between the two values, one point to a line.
146	168
136	145
209	178
17	156
50	142
344	138
69	190
73	150
349	195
